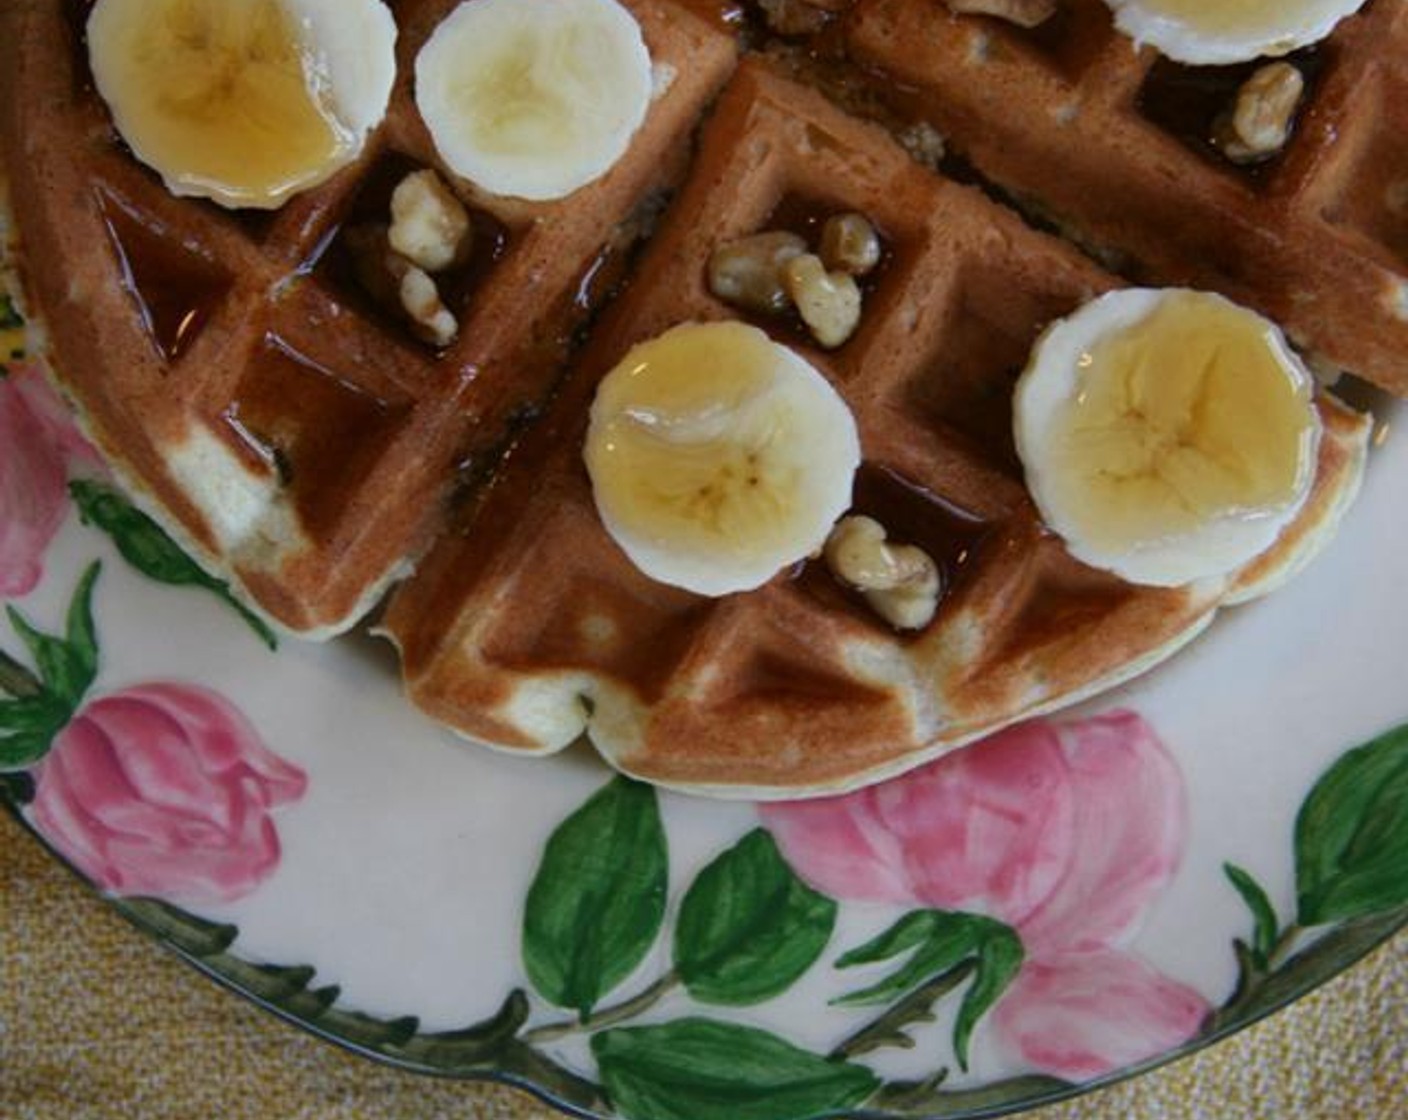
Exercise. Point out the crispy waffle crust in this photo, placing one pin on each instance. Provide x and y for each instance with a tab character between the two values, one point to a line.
303	444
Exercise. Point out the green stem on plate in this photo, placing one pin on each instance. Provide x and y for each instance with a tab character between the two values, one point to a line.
1285	942
1253	978
610	1016
917	1007
16	680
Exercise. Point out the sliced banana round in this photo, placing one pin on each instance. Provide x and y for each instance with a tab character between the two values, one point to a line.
719	457
1217	32
245	102
1167	435
534	98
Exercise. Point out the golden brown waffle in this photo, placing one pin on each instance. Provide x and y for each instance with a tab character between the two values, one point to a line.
289	432
304	444
1114	146
530	626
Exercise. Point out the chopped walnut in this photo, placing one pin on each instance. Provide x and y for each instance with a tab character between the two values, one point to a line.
429	225
399	285
1259	123
748	272
924	144
849	243
829	302
900	582
1024	13
420	299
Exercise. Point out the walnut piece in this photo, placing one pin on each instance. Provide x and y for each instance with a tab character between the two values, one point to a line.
900	582
420	299
1259	122
829	302
1024	13
849	243
924	144
399	285
748	272
429	225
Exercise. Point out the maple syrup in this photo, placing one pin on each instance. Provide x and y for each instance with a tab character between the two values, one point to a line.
175	287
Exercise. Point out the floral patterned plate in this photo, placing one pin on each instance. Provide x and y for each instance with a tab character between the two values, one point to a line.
1071	901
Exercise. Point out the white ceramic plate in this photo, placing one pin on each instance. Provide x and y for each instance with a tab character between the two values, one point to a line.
1073	901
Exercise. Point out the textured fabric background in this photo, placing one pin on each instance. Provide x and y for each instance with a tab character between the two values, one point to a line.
97	1022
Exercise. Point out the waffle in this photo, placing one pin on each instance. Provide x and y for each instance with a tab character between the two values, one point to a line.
305	446
529	626
290	434
1113	146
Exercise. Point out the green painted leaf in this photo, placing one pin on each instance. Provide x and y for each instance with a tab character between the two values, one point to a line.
1265	928
937	940
42	705
142	543
944	949
79	628
913	929
66	665
147	547
1351	836
597	901
49	654
702	1069
748	927
32	713
24	749
1000	957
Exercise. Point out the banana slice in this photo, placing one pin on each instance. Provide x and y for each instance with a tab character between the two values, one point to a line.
719	457
1217	32
534	98
245	102
1168	436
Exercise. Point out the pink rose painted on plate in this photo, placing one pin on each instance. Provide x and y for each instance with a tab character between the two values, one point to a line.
164	789
1067	832
40	445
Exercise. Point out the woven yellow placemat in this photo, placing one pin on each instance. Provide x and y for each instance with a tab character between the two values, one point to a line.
97	1022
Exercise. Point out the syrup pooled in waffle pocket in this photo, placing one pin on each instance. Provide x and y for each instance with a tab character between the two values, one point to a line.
661	357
